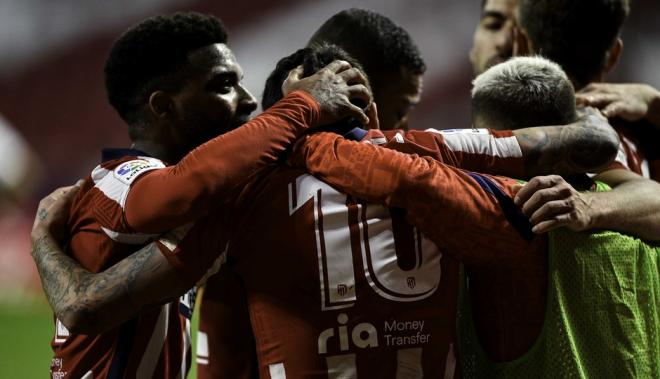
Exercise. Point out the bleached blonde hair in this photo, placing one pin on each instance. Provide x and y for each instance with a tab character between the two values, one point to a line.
523	92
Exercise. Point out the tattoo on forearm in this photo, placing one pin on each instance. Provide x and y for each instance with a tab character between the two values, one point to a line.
70	289
42	214
575	148
585	147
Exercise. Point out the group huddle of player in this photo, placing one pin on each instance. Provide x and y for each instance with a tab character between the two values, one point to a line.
333	242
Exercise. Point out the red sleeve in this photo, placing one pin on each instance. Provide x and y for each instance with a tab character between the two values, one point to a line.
480	150
444	202
197	250
163	199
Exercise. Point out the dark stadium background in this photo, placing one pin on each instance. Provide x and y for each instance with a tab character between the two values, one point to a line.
51	91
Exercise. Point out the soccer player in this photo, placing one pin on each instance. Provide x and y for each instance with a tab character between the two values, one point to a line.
395	67
177	85
506	328
547	96
586	50
387	53
151	277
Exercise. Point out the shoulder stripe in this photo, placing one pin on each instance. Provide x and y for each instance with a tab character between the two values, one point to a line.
113	189
480	141
276	371
99	173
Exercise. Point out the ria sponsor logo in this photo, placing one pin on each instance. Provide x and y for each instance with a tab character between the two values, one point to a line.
362	335
365	335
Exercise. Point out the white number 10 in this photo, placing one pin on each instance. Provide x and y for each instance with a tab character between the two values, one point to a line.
377	249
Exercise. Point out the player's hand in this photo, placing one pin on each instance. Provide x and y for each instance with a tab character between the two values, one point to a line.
632	102
53	212
333	87
372	113
550	202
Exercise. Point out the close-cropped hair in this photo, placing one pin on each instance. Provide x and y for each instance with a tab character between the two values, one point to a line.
153	55
577	34
373	39
523	92
312	59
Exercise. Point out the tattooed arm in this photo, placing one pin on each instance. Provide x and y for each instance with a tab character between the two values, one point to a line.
89	303
587	145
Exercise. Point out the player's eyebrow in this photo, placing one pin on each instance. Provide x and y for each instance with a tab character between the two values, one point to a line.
494	14
223	75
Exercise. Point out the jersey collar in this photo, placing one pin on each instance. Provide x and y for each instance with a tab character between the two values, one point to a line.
109	154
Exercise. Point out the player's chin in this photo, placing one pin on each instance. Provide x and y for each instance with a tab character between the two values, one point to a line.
239	121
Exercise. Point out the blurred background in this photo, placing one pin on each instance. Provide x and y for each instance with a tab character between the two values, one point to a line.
54	117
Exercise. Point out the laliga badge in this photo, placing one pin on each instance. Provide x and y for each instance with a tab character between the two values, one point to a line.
127	172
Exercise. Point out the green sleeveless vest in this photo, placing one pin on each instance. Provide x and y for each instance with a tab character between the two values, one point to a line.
602	316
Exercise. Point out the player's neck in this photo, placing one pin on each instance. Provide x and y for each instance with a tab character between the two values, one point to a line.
155	150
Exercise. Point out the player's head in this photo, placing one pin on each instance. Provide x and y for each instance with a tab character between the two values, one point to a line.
175	82
522	92
389	56
312	59
493	37
582	36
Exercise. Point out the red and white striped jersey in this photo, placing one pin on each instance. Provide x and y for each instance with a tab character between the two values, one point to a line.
153	344
372	271
129	200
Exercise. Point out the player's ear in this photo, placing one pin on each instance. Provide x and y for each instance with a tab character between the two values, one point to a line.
522	46
160	104
613	55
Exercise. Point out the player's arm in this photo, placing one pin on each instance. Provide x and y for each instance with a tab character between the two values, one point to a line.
442	201
88	303
587	145
162	199
631	207
631	102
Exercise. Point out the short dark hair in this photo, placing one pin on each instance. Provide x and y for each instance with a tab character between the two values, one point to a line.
152	53
523	92
577	34
312	59
373	39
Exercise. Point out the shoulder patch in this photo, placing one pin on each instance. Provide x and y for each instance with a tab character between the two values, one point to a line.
127	172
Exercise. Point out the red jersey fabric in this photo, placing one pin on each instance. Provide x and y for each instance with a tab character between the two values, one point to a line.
478	149
508	274
126	201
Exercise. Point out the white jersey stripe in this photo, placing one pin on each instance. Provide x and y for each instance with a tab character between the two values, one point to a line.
114	189
463	140
342	366
202	348
128	238
276	371
155	346
115	184
186	348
